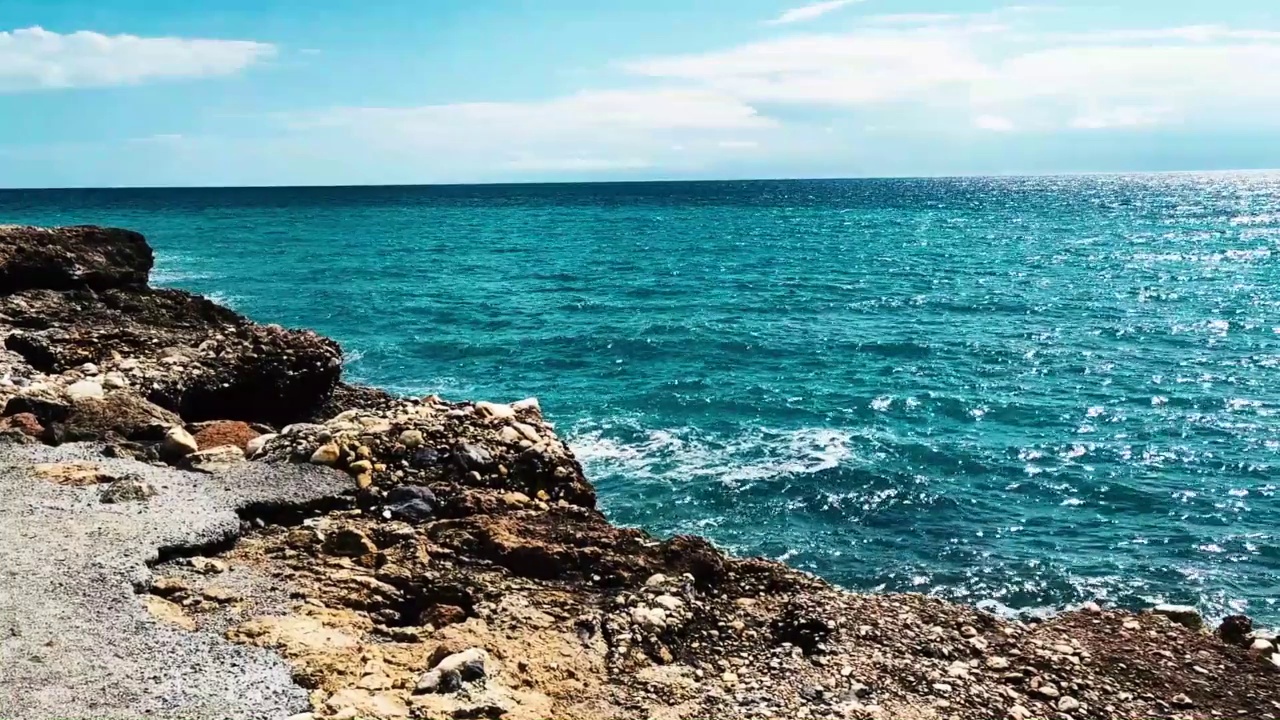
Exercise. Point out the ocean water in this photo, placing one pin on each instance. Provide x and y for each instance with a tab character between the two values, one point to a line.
1021	393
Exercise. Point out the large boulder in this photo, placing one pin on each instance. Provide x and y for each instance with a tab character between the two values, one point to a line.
71	257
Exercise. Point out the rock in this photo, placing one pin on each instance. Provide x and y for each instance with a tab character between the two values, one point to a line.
439	616
495	411
1184	615
657	580
214	460
74	474
474	457
357	703
1181	701
254	447
84	390
1235	630
208	566
129	488
527	432
516	499
24	423
1017	712
1048	690
1261	647
1067	703
327	454
123	413
70	258
225	432
652	618
411	439
169	612
115	381
349	543
449	673
528	405
178	443
403	495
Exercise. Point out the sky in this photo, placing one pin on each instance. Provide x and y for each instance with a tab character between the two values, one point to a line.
107	93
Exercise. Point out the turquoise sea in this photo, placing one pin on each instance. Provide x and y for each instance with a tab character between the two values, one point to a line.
1023	393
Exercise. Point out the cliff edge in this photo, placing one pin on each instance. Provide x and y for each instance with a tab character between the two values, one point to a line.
199	518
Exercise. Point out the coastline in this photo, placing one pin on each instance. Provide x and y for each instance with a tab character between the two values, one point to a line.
463	570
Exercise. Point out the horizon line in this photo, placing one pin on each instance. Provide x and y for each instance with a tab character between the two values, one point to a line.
658	181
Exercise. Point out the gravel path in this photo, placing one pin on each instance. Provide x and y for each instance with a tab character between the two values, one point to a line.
76	641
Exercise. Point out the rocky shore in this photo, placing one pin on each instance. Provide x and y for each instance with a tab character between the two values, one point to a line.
199	518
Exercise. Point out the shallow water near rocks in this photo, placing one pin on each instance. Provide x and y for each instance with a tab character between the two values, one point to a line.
1025	393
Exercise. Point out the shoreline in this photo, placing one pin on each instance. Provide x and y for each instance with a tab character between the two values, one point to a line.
464	570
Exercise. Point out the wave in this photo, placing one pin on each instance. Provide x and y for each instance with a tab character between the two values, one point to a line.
625	448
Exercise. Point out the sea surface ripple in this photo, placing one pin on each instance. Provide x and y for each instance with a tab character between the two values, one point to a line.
1024	393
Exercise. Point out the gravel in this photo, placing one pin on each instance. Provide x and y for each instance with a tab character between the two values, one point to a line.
75	639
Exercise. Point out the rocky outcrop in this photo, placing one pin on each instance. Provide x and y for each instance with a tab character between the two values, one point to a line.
72	257
466	572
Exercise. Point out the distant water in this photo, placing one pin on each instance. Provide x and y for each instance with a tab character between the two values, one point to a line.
1025	393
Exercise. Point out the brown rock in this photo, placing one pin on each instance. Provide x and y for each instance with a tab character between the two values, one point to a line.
25	423
349	543
224	432
71	257
442	615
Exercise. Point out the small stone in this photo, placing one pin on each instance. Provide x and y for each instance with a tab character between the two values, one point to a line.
1132	625
89	369
360	467
729	678
527	432
1017	712
449	673
1184	615
1260	647
670	603
997	663
129	488
1063	649
654	618
222	595
85	389
968	631
114	381
1181	701
327	454
1235	630
214	459
495	410
256	445
474	457
349	542
1067	703
656	580
412	439
1092	607
1048	690
958	669
516	499
178	443
208	566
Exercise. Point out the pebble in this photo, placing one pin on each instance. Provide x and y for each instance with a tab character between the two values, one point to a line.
656	580
89	369
178	442
1017	712
127	489
1260	647
114	381
256	445
85	389
1182	701
1068	703
411	439
327	454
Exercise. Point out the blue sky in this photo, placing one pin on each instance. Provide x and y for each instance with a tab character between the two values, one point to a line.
265	92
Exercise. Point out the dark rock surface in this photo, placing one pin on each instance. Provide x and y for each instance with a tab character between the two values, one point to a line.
72	257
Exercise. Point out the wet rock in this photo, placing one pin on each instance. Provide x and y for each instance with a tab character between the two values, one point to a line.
1184	615
225	432
130	488
1235	630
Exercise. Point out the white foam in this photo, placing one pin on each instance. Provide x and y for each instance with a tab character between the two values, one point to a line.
676	454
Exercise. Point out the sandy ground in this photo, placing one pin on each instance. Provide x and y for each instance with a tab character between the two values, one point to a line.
75	638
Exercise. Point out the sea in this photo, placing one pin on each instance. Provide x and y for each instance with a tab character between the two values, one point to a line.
1020	393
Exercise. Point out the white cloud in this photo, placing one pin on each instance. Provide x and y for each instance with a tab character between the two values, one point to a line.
849	69
811	12
738	144
587	131
994	123
1121	117
35	58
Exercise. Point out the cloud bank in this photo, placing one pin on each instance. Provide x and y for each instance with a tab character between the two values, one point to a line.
35	58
